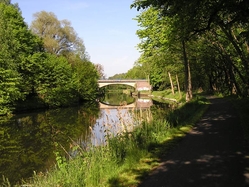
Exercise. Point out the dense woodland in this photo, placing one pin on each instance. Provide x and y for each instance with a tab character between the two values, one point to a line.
205	43
45	64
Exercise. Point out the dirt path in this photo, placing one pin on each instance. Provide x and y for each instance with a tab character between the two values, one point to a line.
213	154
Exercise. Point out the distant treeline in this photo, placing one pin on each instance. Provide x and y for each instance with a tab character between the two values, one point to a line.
203	43
45	63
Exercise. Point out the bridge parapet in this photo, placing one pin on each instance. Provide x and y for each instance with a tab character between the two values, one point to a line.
140	85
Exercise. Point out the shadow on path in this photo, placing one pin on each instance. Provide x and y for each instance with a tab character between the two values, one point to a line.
212	154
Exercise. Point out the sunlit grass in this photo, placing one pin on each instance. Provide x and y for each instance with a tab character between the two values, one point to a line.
167	95
127	156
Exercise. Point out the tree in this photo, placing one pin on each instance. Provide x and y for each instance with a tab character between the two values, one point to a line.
159	52
222	64
100	70
118	76
85	79
55	81
192	19
59	37
16	43
199	15
7	2
137	72
160	38
28	70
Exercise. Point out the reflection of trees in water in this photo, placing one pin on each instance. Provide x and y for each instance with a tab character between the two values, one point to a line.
116	121
117	99
27	141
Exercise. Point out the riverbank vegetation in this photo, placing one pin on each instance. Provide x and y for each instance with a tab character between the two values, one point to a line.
203	44
166	95
124	159
186	44
44	66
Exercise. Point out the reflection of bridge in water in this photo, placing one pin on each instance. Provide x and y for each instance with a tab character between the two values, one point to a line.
139	103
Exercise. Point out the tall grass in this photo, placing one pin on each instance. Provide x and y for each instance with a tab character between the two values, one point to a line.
117	162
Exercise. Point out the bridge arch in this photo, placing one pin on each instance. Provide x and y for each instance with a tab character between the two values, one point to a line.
108	106
139	103
117	83
139	85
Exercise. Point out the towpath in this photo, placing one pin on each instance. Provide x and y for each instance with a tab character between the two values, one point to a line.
213	154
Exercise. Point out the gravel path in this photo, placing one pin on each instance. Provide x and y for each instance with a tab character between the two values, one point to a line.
213	154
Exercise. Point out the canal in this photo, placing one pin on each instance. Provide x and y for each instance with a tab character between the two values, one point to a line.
29	141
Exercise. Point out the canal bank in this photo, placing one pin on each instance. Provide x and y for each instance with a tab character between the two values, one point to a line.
31	140
123	154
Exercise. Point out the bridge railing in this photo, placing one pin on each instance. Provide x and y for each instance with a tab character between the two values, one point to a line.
124	80
138	84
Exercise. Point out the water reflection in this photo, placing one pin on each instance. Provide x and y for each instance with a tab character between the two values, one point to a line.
117	99
119	112
124	101
28	141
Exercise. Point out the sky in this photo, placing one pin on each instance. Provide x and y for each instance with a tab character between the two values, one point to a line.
106	27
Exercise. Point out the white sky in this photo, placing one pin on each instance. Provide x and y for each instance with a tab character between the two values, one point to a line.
106	27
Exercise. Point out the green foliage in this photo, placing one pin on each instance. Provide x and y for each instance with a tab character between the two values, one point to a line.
137	72
117	99
27	72
9	90
5	1
16	42
184	113
117	162
59	36
155	32
118	76
85	79
198	16
160	53
28	141
166	96
215	41
55	81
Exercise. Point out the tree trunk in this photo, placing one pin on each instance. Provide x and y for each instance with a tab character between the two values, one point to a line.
229	69
171	83
227	31
178	86
188	83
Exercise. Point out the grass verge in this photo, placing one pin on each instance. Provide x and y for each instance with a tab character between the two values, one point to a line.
126	158
166	95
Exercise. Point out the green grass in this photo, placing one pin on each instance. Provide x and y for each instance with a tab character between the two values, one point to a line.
166	95
127	158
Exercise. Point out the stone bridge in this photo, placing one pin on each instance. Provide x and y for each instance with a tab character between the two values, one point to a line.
139	85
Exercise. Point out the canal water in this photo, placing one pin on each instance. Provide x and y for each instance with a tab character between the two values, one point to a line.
29	141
